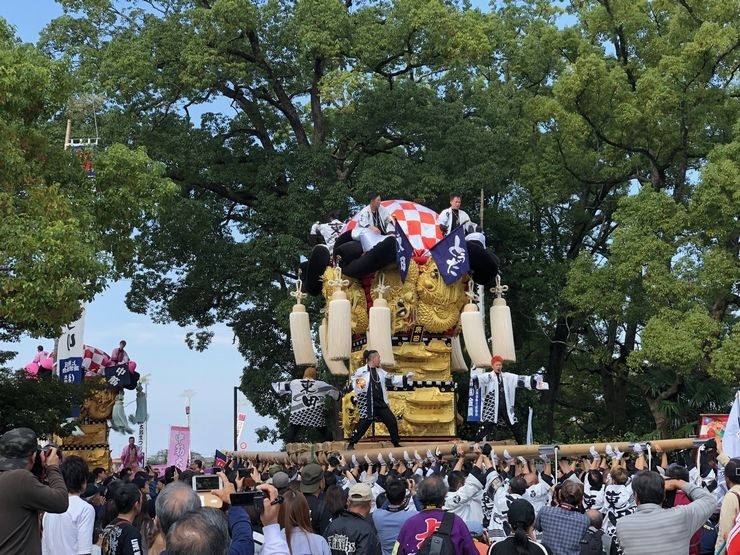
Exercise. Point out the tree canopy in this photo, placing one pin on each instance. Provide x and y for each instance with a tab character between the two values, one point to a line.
602	134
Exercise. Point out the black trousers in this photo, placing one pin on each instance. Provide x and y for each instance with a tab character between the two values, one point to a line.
293	430
383	414
515	429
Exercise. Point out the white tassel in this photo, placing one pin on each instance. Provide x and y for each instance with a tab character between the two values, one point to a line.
502	332
379	330
339	332
336	367
475	336
458	360
300	336
300	329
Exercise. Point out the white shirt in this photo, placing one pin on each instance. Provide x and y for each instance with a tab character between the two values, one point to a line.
71	532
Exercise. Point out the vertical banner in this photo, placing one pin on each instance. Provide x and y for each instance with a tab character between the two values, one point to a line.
69	354
241	419
475	401
179	448
70	341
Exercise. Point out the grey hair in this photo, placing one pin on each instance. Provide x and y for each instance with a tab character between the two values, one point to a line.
173	502
432	491
201	532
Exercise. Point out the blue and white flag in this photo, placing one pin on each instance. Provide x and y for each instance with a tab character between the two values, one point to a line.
404	251
451	256
475	398
731	438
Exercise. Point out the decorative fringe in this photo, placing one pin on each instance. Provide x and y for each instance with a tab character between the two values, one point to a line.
118	419
457	359
475	336
141	415
502	332
300	329
379	330
339	332
336	367
300	336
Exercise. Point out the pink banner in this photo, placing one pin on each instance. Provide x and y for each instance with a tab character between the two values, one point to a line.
179	449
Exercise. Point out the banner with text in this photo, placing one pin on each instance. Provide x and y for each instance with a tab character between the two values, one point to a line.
239	427
69	354
178	452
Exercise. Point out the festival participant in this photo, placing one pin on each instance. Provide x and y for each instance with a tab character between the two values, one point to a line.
370	382
466	490
119	354
40	355
24	496
307	403
131	457
499	395
326	234
453	217
373	223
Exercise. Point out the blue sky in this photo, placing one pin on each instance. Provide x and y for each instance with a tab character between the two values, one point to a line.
159	350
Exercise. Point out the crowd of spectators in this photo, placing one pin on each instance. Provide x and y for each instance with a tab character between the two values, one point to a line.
489	503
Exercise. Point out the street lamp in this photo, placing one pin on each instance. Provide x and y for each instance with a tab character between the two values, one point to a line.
188	394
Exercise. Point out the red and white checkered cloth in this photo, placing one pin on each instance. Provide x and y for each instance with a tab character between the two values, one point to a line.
417	221
94	360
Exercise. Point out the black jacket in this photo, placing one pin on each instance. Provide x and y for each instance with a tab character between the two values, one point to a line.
352	533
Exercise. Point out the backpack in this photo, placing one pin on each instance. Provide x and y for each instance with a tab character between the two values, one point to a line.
440	542
592	543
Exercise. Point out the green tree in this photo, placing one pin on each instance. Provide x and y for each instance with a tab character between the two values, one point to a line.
599	137
44	406
64	235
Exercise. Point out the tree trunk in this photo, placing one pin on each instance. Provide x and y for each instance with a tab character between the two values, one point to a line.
555	364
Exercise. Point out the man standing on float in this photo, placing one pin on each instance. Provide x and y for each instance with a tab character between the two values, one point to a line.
499	395
370	382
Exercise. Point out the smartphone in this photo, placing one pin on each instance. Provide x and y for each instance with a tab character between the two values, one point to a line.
205	482
243	473
252	498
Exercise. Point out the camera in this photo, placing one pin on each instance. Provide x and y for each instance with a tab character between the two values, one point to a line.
243	473
252	498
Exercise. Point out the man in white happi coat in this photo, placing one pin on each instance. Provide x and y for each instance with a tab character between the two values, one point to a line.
374	224
370	384
499	395
453	217
326	233
307	403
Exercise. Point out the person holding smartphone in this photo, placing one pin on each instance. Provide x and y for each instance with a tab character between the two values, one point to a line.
24	496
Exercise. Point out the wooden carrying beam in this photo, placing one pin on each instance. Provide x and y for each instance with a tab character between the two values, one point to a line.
319	452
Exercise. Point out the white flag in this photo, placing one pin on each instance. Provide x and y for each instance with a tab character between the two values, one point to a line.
70	341
731	438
